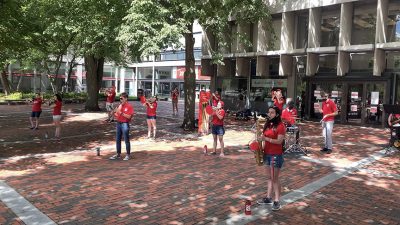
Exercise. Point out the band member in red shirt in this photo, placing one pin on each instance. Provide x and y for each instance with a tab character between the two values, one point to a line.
57	115
110	93
123	115
218	130
289	115
216	97
274	134
151	112
174	97
278	99
329	111
36	111
394	122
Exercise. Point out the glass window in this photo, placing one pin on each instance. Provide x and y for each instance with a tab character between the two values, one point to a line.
361	62
327	63
274	66
163	72
393	60
108	71
234	91
330	26
364	23
276	38
394	22
145	72
302	31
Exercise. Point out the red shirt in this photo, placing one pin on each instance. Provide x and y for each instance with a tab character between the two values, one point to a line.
37	105
216	99
111	96
57	108
216	120
289	115
279	103
273	132
151	111
328	107
174	95
126	109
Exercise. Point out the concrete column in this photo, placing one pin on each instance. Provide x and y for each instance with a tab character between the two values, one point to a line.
381	21
312	64
243	29
379	62
135	81
208	43
343	63
285	65
242	67
79	74
346	22
262	69
122	79
291	87
287	31
314	28
233	44
262	37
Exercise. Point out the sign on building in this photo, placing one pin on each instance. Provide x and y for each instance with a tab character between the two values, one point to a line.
263	83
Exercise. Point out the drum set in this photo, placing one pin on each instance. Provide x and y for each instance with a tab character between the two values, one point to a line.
292	140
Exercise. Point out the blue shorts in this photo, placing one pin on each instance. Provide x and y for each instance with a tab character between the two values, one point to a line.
218	130
36	114
277	160
151	117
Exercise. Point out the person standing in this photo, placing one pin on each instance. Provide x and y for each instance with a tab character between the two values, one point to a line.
57	115
110	103
36	111
151	111
288	117
278	98
273	135
394	122
329	111
174	97
123	114
218	130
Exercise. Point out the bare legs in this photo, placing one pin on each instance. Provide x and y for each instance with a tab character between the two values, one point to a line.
58	129
151	125
221	143
31	119
174	107
273	182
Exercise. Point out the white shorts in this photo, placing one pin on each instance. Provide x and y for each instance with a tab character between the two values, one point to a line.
109	106
56	118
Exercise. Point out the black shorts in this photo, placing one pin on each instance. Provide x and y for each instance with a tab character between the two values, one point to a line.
36	114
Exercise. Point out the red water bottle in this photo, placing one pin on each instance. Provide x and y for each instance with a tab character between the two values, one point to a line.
205	150
247	208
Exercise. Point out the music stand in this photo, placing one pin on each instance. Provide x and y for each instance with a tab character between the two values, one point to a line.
391	109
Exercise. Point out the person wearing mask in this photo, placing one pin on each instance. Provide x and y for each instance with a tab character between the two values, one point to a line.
123	115
273	136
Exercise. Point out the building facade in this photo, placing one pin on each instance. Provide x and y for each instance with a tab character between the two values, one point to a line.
348	48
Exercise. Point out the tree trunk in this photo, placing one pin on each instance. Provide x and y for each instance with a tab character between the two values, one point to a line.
94	75
4	80
68	80
189	81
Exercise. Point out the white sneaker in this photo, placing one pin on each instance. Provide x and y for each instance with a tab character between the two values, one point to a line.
115	157
127	157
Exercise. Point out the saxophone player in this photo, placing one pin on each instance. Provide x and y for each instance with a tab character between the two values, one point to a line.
273	136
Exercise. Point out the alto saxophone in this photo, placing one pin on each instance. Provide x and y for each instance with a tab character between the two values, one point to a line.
259	153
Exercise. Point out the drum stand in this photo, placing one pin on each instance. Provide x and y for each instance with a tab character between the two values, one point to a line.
293	145
393	137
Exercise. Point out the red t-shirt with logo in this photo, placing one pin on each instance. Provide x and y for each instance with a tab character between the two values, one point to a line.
289	115
111	97
37	105
328	107
216	120
57	108
151	111
273	132
126	109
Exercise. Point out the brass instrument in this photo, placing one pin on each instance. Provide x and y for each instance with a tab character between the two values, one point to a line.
259	153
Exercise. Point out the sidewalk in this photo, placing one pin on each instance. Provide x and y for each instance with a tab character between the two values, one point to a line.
170	181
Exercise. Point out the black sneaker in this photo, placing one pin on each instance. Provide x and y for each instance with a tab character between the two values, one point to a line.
324	150
265	201
276	206
329	151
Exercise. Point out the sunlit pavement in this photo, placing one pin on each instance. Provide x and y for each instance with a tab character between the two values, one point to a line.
171	181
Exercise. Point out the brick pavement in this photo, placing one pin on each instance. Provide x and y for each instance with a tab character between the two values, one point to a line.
171	182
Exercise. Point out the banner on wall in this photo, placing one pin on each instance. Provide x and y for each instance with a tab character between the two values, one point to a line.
264	83
180	73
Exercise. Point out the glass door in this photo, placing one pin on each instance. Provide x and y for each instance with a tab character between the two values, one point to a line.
355	103
373	103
